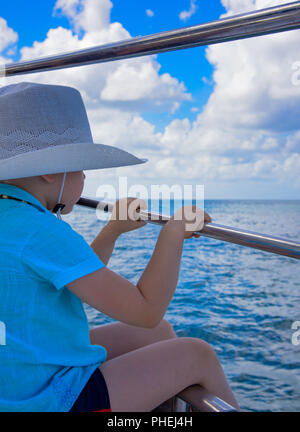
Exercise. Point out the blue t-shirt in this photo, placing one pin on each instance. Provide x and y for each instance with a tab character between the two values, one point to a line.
45	353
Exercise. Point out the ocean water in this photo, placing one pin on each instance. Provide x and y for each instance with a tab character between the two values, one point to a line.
240	300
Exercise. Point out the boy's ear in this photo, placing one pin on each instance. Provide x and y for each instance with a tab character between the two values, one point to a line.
48	178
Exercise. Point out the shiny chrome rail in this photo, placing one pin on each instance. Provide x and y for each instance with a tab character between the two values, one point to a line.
195	399
262	22
241	237
198	399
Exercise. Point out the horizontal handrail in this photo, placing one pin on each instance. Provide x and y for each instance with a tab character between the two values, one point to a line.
195	398
201	400
238	236
257	23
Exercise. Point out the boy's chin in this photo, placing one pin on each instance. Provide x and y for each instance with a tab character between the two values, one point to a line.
68	209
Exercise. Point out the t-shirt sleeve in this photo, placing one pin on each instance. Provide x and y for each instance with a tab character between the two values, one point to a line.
57	253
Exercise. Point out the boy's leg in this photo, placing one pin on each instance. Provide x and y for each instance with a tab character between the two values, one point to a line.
141	380
119	338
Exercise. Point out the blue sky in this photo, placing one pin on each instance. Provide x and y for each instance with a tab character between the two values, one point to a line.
223	116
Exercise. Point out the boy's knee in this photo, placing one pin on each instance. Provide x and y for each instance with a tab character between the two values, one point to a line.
200	348
166	329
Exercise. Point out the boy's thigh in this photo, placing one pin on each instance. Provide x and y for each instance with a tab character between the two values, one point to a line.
119	338
143	379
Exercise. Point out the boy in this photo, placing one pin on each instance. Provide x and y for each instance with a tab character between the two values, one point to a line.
51	362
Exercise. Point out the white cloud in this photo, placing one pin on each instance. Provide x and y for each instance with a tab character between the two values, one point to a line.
149	13
127	129
292	166
87	15
8	39
293	142
253	81
250	126
139	81
7	35
186	14
235	7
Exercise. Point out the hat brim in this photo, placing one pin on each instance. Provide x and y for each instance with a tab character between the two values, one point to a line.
66	158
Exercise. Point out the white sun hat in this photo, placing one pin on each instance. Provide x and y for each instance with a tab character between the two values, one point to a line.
44	129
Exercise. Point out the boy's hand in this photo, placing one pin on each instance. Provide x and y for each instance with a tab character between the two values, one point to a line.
190	218
125	215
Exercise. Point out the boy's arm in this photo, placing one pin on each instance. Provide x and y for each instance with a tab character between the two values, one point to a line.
143	304
104	243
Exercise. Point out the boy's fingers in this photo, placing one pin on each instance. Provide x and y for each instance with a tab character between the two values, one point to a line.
207	218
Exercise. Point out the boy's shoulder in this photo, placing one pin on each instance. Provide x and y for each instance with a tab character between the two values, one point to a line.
48	221
33	220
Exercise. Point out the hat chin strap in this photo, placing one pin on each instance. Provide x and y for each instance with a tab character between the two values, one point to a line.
60	206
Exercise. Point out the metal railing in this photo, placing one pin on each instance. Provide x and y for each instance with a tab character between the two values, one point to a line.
195	399
219	232
198	399
257	23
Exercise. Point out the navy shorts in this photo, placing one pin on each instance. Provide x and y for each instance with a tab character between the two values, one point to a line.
94	396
